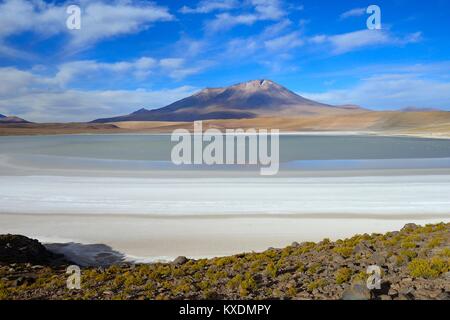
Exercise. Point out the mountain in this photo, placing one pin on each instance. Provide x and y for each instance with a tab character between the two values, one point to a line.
5	119
252	99
351	107
418	109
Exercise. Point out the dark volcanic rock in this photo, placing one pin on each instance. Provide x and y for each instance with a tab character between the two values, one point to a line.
20	249
180	260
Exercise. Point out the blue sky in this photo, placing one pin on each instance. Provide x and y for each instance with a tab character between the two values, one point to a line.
132	54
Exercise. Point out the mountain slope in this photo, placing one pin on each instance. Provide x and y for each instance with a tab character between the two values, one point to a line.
5	119
253	99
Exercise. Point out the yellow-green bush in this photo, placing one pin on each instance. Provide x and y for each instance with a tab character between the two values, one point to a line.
235	282
408	245
272	270
291	292
319	283
343	275
3	294
423	268
445	252
409	254
435	242
360	277
344	251
313	269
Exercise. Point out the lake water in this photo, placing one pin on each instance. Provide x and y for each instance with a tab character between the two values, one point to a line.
141	152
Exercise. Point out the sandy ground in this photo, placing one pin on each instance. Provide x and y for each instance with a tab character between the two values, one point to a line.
435	124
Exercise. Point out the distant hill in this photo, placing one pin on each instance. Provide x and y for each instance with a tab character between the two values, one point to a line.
252	99
12	119
418	109
351	107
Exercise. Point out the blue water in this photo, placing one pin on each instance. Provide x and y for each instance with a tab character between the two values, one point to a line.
296	152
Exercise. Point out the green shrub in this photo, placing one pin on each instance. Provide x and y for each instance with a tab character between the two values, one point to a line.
313	269
399	260
435	242
248	284
301	267
182	288
343	275
291	292
344	251
319	283
423	268
408	245
445	252
235	282
3	294
408	254
360	277
271	270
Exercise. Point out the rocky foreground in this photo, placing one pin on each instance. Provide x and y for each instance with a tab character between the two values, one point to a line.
414	262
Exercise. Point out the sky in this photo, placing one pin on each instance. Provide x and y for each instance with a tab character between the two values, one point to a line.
130	54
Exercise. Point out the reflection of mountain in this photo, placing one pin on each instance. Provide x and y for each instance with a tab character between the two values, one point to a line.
253	99
5	119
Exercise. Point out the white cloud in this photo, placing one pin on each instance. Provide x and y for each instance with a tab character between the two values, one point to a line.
391	91
17	16
172	63
268	9
140	68
104	20
41	98
356	12
100	19
78	105
285	42
262	10
346	42
277	28
177	69
48	94
271	47
207	6
225	21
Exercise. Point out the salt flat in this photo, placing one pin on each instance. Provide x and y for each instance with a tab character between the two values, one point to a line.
159	219
380	195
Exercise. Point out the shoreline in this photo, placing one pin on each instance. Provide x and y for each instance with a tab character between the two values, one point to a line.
149	238
319	270
445	136
240	216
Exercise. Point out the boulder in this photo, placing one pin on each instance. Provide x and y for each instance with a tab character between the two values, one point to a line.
410	227
20	249
180	260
